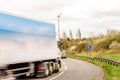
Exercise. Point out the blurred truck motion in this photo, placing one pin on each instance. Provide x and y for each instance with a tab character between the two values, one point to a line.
27	48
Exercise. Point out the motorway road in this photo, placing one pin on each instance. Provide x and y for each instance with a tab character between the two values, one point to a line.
76	70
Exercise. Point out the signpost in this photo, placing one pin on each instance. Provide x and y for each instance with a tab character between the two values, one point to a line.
89	47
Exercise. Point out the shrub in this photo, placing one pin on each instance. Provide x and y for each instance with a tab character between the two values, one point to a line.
104	43
82	46
114	45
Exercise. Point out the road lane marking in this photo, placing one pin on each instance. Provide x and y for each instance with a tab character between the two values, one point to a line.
65	68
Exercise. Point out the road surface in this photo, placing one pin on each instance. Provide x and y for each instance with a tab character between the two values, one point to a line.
76	70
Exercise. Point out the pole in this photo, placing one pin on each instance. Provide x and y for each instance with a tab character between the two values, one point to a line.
59	25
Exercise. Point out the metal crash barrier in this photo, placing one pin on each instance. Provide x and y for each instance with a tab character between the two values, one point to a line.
106	60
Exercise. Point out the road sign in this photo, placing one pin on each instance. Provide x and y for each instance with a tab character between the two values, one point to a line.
89	47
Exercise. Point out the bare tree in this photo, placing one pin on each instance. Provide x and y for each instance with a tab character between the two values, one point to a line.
64	35
70	34
112	31
79	34
76	35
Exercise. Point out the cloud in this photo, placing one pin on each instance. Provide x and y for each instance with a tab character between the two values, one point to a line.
44	10
31	4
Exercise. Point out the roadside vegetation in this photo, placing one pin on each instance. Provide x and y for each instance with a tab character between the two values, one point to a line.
106	46
109	43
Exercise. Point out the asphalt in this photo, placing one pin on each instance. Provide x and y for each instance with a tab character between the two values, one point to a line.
73	69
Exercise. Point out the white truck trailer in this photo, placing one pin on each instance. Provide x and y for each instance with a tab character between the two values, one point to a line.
27	48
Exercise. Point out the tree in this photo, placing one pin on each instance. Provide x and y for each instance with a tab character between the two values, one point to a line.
79	34
64	35
71	34
76	35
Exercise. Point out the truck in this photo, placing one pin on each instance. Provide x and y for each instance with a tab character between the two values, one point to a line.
27	48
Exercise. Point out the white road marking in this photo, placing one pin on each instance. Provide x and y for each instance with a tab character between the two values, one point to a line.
65	68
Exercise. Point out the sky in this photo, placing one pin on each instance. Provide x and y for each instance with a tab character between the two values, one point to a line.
93	17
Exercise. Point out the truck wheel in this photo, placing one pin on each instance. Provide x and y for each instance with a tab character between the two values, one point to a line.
47	72
57	65
50	68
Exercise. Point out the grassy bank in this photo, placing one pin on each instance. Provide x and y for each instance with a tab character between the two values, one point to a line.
111	72
104	55
112	56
